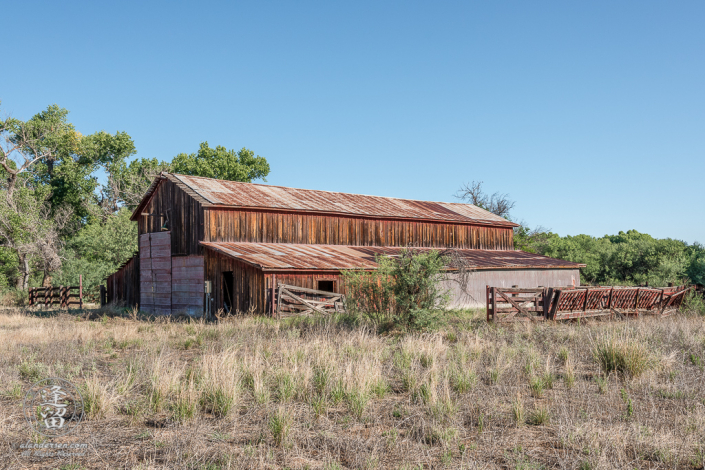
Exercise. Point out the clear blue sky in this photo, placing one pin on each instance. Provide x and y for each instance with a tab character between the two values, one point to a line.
591	115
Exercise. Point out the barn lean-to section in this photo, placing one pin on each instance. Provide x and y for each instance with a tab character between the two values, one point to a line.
303	238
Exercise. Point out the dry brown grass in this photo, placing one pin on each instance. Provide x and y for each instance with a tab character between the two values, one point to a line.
255	393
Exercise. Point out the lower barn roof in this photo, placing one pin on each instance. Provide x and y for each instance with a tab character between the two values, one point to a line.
273	257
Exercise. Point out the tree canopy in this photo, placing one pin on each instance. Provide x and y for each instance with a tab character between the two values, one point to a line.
221	163
66	198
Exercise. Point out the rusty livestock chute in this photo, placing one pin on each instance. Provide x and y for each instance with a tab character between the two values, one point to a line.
564	303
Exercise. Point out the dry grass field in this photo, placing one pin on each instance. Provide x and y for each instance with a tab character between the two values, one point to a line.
255	393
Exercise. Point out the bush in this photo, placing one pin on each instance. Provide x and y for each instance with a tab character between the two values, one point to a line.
404	291
694	303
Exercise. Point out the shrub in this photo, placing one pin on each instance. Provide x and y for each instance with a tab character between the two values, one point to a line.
693	302
405	291
625	356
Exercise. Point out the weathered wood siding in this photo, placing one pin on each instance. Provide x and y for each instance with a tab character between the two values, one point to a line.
123	286
187	285
248	291
277	227
185	215
155	273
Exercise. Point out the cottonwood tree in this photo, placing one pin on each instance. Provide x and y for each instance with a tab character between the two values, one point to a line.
528	239
497	203
28	227
222	163
48	185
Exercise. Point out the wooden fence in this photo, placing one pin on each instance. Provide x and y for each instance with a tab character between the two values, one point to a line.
63	296
563	303
293	301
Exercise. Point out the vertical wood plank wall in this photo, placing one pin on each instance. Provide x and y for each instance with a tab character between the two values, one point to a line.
187	285
123	286
155	273
248	292
185	216
273	227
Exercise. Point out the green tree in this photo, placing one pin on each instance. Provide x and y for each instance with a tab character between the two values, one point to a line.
98	250
222	163
48	186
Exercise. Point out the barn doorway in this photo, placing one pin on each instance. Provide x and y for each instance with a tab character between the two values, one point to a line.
228	284
326	286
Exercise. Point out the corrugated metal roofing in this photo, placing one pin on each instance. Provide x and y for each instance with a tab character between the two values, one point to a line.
214	192
285	257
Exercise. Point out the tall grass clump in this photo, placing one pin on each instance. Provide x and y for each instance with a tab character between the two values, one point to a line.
625	356
96	398
405	291
279	424
219	383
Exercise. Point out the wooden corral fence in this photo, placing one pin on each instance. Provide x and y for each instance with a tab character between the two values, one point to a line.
293	301
63	296
563	303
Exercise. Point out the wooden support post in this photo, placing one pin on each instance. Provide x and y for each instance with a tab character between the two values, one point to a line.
494	304
30	297
547	297
102	296
80	291
47	296
279	301
487	302
273	284
587	291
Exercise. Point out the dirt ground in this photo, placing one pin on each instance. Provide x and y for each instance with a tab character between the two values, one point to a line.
257	393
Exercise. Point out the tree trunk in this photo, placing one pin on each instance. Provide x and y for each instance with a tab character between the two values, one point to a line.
47	279
11	181
23	278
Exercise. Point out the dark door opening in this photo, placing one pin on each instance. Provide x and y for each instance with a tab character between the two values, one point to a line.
326	286
228	283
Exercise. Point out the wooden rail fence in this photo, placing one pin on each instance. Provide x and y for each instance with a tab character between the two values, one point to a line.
293	301
63	296
563	303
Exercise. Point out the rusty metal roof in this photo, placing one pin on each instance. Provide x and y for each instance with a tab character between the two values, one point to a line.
219	193
293	257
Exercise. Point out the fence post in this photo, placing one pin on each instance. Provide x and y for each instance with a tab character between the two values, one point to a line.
47	296
80	291
274	283
30	296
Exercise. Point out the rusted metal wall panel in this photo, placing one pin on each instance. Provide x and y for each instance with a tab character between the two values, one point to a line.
522	278
273	227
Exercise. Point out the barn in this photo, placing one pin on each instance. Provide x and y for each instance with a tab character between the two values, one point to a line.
207	244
